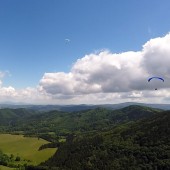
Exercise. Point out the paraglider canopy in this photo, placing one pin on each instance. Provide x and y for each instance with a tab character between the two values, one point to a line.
156	83
67	40
155	78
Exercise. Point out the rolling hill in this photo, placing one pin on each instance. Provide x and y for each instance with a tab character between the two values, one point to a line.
144	144
133	137
63	123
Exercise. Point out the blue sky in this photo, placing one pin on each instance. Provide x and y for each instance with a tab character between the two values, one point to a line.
33	33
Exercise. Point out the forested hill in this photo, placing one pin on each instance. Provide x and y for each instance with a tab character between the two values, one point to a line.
134	137
142	145
8	116
63	123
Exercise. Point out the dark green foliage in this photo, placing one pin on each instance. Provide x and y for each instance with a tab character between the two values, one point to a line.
154	131
4	159
131	138
62	123
35	168
17	158
141	145
49	137
9	118
50	145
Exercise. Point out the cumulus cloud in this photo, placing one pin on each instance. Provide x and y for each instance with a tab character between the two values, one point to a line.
156	57
103	72
57	83
27	95
106	77
110	73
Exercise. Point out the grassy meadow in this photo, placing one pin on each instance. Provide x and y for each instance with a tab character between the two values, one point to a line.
6	168
26	148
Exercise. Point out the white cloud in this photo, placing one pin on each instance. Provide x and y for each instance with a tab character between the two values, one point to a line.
156	56
103	72
109	73
57	83
105	77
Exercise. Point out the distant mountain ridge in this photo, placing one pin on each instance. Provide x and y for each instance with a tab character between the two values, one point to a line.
79	107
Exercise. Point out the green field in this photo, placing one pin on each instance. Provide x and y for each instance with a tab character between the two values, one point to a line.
6	168
25	147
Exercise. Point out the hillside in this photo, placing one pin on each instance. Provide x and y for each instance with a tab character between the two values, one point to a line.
8	116
144	144
135	136
63	123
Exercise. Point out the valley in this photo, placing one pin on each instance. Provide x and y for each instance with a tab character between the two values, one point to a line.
99	138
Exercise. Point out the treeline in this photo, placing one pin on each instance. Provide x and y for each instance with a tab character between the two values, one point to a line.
64	123
142	145
94	155
10	161
4	159
49	145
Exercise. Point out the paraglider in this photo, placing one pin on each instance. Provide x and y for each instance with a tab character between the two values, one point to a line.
67	40
155	78
158	78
